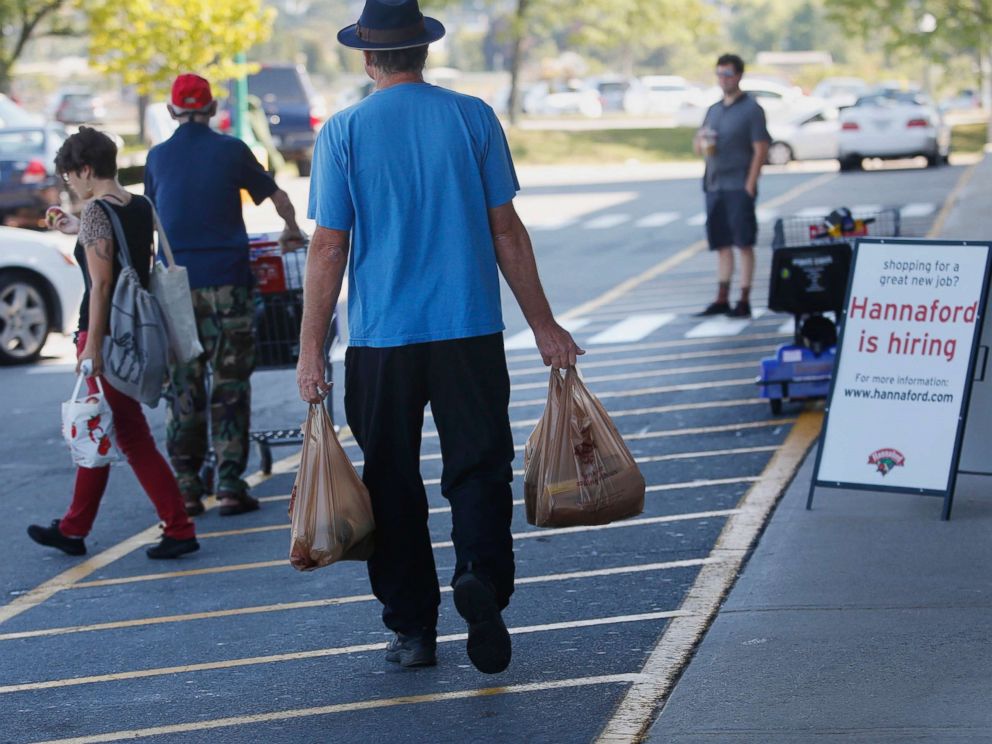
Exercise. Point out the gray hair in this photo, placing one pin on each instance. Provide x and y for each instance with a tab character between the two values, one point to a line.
392	61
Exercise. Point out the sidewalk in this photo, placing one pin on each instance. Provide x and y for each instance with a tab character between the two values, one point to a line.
863	621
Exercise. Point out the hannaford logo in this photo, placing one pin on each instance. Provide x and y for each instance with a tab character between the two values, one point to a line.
886	459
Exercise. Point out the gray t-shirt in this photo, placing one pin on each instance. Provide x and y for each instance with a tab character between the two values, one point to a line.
737	126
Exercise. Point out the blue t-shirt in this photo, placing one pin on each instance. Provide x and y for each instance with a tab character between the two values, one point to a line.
411	171
195	179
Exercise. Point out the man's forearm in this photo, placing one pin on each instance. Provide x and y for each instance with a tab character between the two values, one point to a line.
326	265
284	208
515	257
757	163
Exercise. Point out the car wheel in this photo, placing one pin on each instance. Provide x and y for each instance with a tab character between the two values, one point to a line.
24	319
850	163
303	166
779	153
934	161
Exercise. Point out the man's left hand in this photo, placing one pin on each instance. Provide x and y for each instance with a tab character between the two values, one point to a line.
751	189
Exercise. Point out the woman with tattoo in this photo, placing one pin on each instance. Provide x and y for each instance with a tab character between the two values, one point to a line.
87	162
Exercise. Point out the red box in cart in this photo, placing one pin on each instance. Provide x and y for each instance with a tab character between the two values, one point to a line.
265	256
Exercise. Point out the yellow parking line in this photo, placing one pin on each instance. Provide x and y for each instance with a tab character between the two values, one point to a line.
333	601
71	577
446	544
682	388
718	429
286	715
698	406
950	201
749	364
671	653
681	356
317	654
652	345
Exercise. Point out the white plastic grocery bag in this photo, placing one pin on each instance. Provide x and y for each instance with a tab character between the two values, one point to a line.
87	426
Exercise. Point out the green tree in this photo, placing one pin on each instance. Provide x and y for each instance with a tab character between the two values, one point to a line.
20	20
148	42
632	28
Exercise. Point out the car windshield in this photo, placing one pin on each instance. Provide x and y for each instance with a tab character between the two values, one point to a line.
13	115
892	98
16	143
280	83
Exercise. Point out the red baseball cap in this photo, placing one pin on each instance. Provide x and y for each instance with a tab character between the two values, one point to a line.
191	93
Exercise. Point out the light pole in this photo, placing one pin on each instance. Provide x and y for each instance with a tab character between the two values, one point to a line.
926	26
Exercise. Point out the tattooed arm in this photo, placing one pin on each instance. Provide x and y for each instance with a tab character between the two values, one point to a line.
99	246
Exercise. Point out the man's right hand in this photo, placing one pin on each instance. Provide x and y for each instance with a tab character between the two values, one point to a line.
558	348
292	239
310	377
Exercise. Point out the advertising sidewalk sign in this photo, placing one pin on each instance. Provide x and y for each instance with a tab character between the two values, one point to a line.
905	362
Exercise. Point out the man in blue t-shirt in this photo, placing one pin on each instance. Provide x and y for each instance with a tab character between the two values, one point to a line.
412	189
195	180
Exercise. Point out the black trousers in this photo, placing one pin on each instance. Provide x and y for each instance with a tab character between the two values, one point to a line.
468	388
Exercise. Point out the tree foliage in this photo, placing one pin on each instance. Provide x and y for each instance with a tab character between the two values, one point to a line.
148	42
960	25
20	20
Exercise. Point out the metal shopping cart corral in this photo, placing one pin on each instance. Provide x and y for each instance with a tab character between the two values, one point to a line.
278	314
806	230
811	261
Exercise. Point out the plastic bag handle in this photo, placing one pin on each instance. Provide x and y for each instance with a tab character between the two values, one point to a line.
85	370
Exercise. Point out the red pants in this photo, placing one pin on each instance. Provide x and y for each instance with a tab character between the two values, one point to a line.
135	442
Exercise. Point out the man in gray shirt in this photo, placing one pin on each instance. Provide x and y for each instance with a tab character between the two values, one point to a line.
734	140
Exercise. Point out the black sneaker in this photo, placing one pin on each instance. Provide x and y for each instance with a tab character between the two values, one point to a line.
412	651
169	547
488	643
715	308
741	310
52	537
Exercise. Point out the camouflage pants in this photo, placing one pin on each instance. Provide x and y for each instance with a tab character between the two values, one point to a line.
224	322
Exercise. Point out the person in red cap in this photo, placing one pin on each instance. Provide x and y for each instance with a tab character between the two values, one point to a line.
195	179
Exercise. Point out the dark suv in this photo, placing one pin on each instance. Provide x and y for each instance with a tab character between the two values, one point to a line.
293	109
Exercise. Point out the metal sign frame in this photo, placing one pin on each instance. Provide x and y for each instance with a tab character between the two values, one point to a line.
946	493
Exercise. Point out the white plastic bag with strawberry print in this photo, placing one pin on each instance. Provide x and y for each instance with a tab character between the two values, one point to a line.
87	426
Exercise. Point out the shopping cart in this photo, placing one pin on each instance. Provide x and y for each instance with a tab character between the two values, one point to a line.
811	260
278	313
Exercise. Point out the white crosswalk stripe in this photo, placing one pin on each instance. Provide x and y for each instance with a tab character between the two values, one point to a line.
814	212
918	209
658	219
525	339
631	329
697	219
766	215
721	325
606	221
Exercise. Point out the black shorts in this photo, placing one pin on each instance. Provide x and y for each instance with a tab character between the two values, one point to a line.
730	219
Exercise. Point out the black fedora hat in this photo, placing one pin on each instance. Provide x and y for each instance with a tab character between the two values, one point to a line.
391	24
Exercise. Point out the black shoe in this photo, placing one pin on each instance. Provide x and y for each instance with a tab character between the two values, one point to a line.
488	643
243	503
741	310
52	537
169	547
412	651
715	308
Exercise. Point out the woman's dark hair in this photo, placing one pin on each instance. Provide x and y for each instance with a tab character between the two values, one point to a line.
400	60
88	147
731	59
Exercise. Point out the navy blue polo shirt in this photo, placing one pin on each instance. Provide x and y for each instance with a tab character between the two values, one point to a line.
195	179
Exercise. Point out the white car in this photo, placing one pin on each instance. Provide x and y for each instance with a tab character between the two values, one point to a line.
841	91
40	290
892	124
656	94
811	135
780	101
556	99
